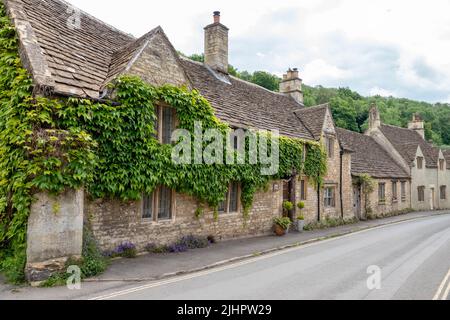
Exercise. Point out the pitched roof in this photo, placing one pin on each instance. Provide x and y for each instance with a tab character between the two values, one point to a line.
246	105
406	142
313	118
369	157
447	157
64	59
72	60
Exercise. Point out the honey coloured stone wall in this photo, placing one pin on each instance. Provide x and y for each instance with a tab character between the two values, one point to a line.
115	221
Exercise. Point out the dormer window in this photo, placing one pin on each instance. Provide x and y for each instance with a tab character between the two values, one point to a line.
441	164
329	146
419	163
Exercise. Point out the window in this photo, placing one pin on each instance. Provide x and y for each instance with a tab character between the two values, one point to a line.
443	192
382	193
165	123
394	191
329	197
421	193
442	164
403	191
329	145
157	206
303	189
232	203
419	162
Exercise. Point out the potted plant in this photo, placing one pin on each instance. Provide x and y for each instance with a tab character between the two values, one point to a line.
287	207
300	223
282	224
300	217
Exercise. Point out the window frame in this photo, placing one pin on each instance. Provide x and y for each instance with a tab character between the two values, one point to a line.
155	202
443	192
329	202
228	200
420	162
329	145
394	187
421	193
159	121
382	193
303	189
403	185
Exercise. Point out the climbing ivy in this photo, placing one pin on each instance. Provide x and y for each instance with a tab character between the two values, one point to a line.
109	148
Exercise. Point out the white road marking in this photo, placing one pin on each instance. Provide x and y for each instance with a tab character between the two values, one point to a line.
235	265
437	296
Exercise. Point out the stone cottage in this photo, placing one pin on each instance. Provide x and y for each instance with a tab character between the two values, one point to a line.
334	199
70	53
391	183
426	165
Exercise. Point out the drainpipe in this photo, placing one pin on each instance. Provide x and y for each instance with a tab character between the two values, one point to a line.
318	202
341	181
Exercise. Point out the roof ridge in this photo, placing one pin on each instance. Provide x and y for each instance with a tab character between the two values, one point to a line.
238	79
90	16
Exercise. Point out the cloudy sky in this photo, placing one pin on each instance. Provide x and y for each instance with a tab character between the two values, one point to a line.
386	47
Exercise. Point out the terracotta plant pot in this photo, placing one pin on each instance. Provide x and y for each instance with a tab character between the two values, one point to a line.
279	231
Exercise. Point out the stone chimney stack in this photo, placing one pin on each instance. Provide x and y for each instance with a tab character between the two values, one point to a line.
292	85
374	118
216	45
417	124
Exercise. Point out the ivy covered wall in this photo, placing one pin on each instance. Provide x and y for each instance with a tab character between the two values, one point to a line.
50	144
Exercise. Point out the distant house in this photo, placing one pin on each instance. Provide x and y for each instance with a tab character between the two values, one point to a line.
333	199
391	183
427	165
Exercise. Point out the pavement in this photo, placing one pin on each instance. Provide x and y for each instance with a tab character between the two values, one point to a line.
333	258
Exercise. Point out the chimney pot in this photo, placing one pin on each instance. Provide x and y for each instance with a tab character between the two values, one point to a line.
216	16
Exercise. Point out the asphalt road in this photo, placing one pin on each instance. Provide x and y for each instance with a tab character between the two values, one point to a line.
411	260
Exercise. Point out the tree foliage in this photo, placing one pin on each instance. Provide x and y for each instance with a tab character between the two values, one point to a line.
351	111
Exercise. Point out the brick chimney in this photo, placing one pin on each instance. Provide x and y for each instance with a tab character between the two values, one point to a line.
374	117
216	45
292	85
417	124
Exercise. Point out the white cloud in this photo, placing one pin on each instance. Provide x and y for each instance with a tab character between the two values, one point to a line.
400	46
377	91
318	70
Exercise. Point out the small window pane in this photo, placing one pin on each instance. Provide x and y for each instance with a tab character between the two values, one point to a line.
222	206
303	190
234	197
443	192
165	204
147	206
167	125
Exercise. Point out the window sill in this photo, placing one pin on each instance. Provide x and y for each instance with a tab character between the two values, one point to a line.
149	221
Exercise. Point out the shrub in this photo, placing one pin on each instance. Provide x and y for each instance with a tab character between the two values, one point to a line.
153	248
283	222
301	217
126	250
194	242
301	205
288	206
178	247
